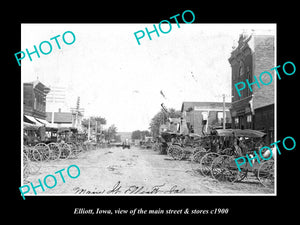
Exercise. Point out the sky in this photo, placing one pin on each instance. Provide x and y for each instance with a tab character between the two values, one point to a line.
120	80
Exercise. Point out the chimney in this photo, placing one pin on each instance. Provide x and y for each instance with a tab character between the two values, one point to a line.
59	109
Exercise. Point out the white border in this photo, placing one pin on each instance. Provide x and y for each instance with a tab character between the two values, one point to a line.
153	195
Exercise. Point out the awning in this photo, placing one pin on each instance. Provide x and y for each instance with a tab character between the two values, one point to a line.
42	121
33	120
30	126
240	133
45	122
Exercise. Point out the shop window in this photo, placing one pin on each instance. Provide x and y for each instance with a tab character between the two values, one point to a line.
236	120
249	121
220	117
241	69
249	118
35	102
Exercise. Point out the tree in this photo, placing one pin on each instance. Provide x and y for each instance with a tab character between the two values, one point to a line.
137	134
93	121
110	133
161	118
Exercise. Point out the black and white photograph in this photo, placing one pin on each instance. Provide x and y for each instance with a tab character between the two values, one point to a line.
132	111
141	109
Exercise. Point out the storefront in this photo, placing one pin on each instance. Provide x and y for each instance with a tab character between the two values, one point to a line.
242	116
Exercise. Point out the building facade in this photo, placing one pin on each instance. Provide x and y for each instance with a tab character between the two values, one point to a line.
254	109
202	117
65	119
34	99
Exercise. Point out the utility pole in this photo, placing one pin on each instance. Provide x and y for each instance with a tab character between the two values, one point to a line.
89	133
52	114
78	112
224	114
96	131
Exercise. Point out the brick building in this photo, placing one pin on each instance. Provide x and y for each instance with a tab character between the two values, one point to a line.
253	110
34	102
195	114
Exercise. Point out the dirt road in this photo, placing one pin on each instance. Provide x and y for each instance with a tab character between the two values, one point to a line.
134	171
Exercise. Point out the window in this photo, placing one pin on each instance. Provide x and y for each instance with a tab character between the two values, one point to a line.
249	118
38	103
249	121
236	122
34	104
241	69
204	115
220	117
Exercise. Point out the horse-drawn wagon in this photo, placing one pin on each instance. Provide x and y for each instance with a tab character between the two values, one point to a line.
225	146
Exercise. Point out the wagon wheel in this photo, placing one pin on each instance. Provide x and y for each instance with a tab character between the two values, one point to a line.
80	148
65	150
26	150
156	146
74	149
54	150
199	149
159	148
31	166
163	148
34	154
266	173
169	149
205	163
176	152
44	150
196	158
223	168
188	151
84	148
